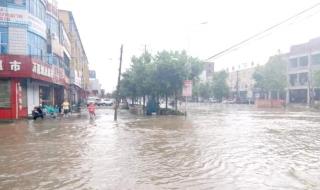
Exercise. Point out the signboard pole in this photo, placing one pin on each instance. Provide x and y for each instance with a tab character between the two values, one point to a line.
185	109
187	92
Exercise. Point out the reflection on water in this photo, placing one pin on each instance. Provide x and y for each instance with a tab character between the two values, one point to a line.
217	147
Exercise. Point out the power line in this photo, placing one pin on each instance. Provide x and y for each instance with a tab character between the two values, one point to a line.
264	31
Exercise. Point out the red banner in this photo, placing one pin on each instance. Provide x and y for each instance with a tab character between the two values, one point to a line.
14	66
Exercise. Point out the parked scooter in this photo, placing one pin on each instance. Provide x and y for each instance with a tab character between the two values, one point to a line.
51	111
37	112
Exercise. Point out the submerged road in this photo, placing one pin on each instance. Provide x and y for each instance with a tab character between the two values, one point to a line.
217	147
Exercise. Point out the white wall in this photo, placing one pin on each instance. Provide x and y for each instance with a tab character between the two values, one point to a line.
33	95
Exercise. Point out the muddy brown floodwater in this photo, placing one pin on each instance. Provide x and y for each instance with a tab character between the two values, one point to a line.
217	147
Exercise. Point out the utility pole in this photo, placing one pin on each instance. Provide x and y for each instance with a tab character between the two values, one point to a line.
118	87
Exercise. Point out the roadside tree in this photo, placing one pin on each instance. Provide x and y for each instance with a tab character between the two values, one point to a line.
220	87
271	78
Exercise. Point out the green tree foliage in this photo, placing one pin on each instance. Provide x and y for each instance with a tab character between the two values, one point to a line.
220	87
161	75
272	76
205	90
128	87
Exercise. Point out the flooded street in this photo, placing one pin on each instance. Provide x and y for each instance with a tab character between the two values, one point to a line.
217	147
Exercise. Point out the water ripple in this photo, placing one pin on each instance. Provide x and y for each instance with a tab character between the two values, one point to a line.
217	147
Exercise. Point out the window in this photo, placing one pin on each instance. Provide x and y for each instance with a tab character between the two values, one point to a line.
37	46
294	63
21	3
53	25
315	59
5	94
3	40
293	79
37	8
3	3
303	78
31	7
303	61
54	59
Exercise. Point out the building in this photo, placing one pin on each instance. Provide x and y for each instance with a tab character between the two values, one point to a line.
207	73
35	57
304	60
95	86
241	83
79	69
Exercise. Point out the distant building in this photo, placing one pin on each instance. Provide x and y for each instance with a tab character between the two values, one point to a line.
207	73
79	69
241	83
304	59
94	86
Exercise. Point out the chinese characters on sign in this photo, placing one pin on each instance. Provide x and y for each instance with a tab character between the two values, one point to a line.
42	70
25	67
15	65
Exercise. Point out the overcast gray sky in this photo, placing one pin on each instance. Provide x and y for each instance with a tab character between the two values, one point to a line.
176	25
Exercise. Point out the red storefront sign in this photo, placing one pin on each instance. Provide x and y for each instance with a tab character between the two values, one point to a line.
13	66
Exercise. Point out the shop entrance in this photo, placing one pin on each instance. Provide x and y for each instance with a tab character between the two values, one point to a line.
58	96
45	96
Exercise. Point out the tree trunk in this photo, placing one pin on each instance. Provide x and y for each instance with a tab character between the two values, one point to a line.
278	95
175	101
158	106
144	101
269	95
166	101
144	105
132	101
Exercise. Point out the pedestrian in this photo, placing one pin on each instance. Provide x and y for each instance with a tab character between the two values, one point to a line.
66	107
92	110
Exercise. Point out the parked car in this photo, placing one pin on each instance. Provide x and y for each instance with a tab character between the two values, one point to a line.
105	102
212	100
231	101
93	100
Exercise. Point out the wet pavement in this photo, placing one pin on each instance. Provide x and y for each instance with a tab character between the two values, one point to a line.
216	147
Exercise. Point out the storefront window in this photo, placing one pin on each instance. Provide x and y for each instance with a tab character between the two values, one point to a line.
44	95
5	94
3	40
